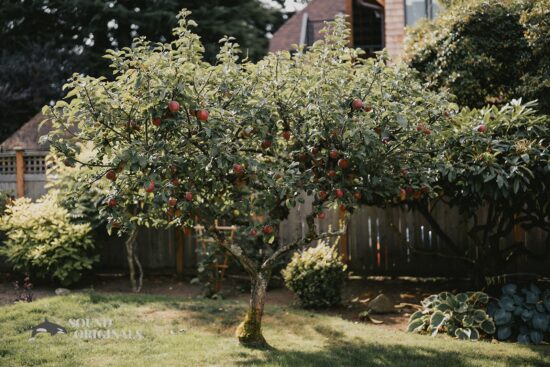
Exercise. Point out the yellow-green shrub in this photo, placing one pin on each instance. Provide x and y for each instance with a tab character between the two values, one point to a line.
316	275
41	240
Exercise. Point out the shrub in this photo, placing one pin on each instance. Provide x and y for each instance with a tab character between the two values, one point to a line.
462	315
522	313
42	241
316	275
485	51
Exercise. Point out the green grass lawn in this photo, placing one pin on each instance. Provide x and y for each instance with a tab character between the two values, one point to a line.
198	332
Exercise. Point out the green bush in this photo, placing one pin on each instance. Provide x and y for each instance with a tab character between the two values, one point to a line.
523	313
485	51
316	276
42	241
462	315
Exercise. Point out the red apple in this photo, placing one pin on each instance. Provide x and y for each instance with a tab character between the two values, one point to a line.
481	128
253	232
173	106
238	169
367	109
302	157
188	196
172	202
150	187
343	163
267	229
357	104
156	121
420	127
266	144
357	195
133	125
427	131
339	193
68	162
112	202
286	135
333	154
331	173
175	182
343	207
322	195
378	130
202	115
386	140
321	216
111	175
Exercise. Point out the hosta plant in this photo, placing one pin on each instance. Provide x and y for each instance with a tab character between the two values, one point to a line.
522	313
461	315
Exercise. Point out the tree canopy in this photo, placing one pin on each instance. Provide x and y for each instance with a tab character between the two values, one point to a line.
185	143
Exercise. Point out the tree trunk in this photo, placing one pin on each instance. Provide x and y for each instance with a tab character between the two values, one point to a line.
130	255
249	332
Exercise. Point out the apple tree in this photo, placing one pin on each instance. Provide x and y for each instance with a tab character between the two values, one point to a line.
186	143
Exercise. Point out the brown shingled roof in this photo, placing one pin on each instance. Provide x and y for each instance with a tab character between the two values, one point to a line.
317	10
27	136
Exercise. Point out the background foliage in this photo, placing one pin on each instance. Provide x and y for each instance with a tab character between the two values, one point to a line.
486	51
43	42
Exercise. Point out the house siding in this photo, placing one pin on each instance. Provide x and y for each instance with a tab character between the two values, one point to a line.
394	27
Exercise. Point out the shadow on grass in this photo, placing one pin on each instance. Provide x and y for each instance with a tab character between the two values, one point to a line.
356	353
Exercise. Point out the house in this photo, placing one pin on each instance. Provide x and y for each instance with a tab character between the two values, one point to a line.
376	24
23	160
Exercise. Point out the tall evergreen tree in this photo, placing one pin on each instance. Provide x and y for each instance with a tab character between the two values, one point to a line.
44	41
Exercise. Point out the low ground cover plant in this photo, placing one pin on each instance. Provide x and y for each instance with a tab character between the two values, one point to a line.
462	316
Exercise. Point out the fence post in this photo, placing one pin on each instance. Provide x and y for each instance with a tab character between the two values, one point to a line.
180	248
20	171
343	238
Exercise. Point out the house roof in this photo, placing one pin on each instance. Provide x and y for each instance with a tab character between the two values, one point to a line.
28	135
317	10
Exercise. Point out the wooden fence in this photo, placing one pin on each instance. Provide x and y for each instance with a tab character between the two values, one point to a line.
378	242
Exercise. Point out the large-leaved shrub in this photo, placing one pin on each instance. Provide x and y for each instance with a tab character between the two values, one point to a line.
41	240
316	276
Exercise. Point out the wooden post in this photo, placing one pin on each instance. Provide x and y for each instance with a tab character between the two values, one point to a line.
180	248
20	172
343	242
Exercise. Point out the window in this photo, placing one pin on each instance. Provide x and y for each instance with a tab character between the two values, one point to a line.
368	26
418	9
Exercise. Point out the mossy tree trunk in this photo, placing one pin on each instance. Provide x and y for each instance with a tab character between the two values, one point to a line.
249	332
